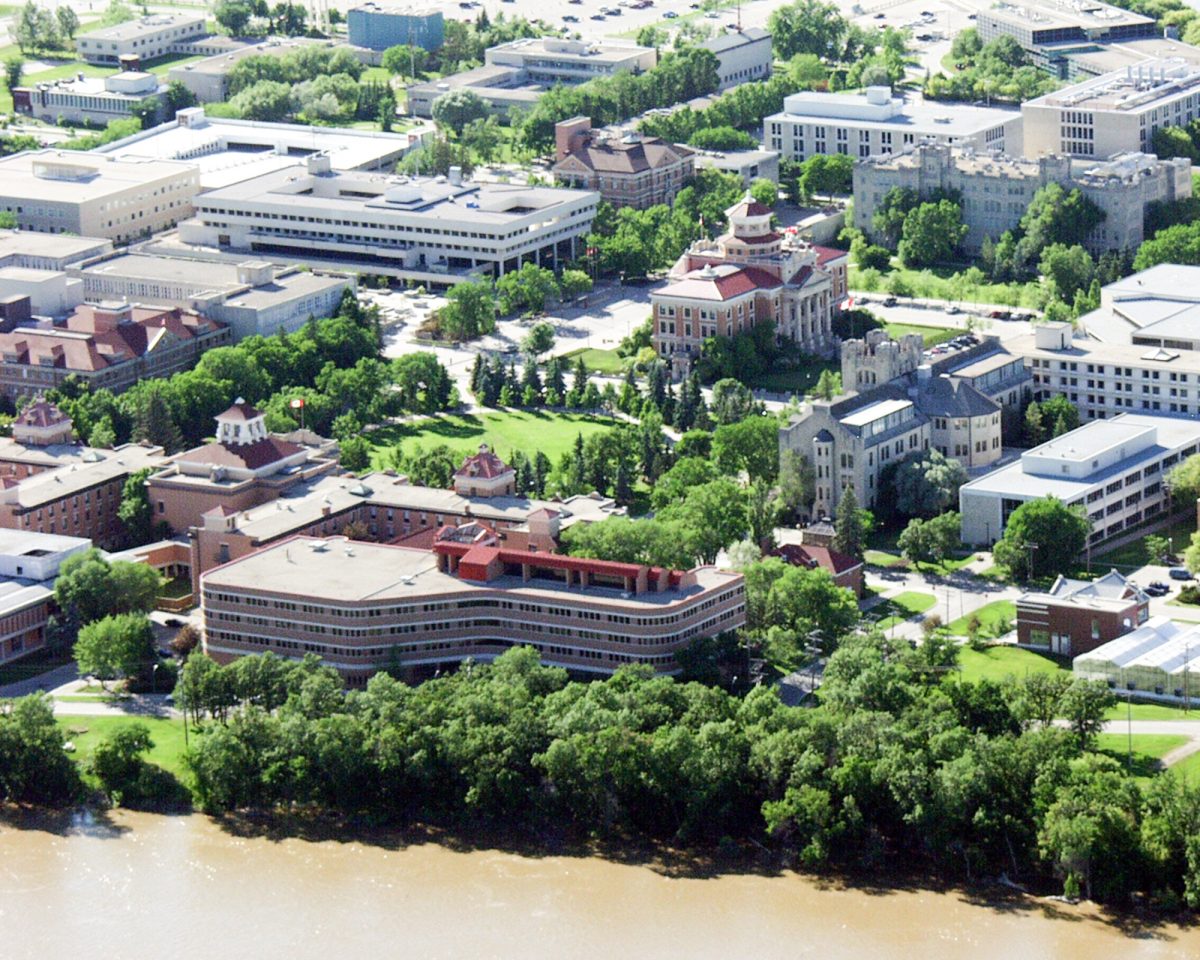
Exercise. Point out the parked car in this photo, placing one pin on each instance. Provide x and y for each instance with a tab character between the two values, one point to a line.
569	18
670	15
1158	589
1180	573
597	16
890	302
953	309
173	622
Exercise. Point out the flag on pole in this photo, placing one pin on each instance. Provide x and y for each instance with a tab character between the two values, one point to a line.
849	306
297	403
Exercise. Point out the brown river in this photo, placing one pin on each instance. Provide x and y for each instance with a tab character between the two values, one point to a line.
146	886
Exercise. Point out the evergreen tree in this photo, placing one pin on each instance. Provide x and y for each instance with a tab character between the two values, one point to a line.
580	380
578	464
608	397
656	383
526	481
508	396
847	530
478	371
685	409
154	423
623	486
531	384
1060	425
554	376
1035	431
591	397
541	470
630	400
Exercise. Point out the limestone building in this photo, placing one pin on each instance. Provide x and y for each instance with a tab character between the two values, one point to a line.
996	190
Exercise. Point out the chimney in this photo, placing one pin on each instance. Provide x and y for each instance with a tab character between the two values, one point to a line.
569	135
455	175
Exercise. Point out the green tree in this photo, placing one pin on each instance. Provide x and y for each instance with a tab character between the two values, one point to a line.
765	191
1058	410
732	401
722	138
711	516
117	761
807	26
114	647
34	767
14	67
90	587
404	60
930	541
268	101
931	234
178	96
750	445
454	110
848	526
471	310
926	483
573	283
1058	533
233	16
134	511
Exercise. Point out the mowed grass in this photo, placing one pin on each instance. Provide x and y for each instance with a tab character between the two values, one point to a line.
903	606
933	335
1156	745
599	361
166	732
505	431
997	663
992	617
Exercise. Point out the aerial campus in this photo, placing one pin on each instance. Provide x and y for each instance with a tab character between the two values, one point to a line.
774	397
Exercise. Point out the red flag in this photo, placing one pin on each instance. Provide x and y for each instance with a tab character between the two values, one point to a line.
297	403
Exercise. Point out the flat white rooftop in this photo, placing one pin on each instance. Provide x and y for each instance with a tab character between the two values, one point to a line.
152	24
875	411
1135	89
69	176
878	106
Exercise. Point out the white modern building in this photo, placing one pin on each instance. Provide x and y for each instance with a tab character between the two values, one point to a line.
996	190
147	38
742	56
869	124
92	195
1159	307
36	556
1113	113
1112	469
429	230
94	100
252	297
37	251
227	151
516	74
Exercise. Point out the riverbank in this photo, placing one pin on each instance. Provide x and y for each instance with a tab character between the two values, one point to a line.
187	883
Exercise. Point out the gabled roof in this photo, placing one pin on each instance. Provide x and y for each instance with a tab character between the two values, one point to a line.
41	413
484	464
949	397
249	456
810	555
720	283
619	156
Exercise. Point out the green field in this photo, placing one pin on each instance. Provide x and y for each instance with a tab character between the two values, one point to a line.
1143	752
504	431
933	335
996	663
599	361
1188	768
991	616
947	283
903	606
167	734
1151	711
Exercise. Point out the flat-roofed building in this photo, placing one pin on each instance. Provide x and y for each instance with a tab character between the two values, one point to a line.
869	124
517	73
92	195
1114	113
1160	658
90	100
626	169
1158	307
80	498
106	345
749	165
996	190
252	297
1048	30
1083	60
139	41
742	56
29	563
437	231
227	151
378	26
37	251
1112	469
208	79
363	607
1075	616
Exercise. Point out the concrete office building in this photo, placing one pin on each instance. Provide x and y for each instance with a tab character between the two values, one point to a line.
37	251
64	191
364	606
1112	469
1094	60
25	293
1106	379
228	151
80	498
1159	307
435	231
1050	31
997	190
1115	113
748	165
1077	616
90	100
750	274
110	346
742	56
873	123
208	79
139	41
378	26
516	74
250	298
626	169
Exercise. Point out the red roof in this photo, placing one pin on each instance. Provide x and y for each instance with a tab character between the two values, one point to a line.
748	208
721	283
483	464
41	413
240	411
809	555
250	456
827	255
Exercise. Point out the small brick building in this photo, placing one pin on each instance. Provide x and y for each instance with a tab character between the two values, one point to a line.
1077	616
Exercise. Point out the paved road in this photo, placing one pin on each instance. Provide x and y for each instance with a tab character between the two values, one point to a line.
48	681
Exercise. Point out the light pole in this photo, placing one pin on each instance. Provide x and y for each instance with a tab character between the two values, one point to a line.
1031	547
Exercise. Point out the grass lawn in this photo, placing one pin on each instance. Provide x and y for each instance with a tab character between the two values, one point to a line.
1133	554
504	430
881	558
991	616
375	75
996	663
1144	754
903	606
1150	711
946	283
1188	768
601	361
167	734
798	381
933	335
174	589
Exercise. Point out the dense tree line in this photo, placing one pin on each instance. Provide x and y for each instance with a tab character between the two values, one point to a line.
997	70
333	366
903	763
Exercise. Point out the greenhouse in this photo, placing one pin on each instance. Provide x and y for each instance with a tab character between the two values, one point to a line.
1161	657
